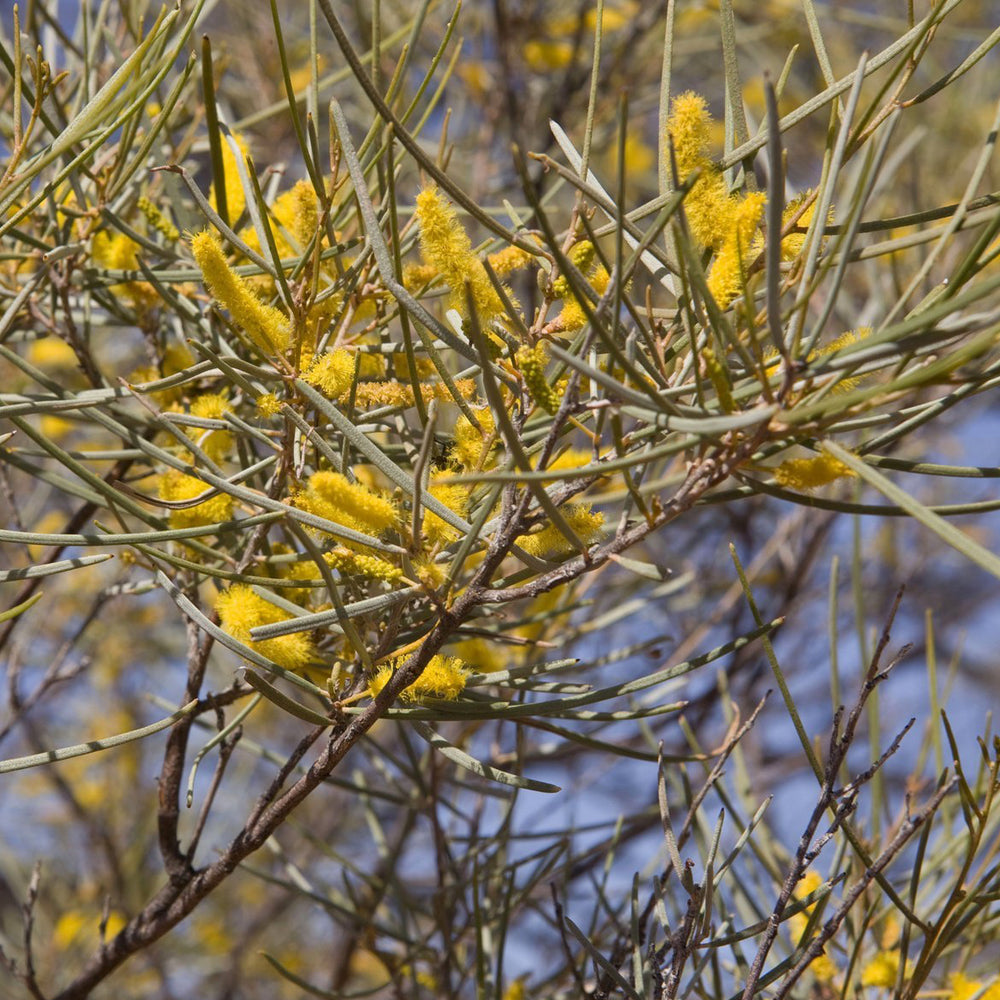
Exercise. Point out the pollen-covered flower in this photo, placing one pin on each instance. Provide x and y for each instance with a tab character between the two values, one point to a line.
212	406
268	404
585	523
474	446
821	967
882	970
728	274
296	215
175	485
335	497
241	609
810	473
455	497
572	317
443	677
331	373
350	563
266	326
117	252
581	256
445	245
235	198
708	205
508	260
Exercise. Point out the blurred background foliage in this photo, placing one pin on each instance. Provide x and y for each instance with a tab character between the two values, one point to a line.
403	876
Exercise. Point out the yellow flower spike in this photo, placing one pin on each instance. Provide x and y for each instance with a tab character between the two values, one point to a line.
571	458
416	276
531	362
791	245
821	967
240	609
211	406
305	213
431	574
471	450
544	56
268	404
581	255
333	496
266	326
508	260
443	677
175	485
52	354
882	970
963	988
708	205
728	274
332	373
445	245
805	474
117	252
585	523
350	563
456	498
235	198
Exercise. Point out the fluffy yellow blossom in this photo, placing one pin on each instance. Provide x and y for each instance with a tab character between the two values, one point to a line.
791	245
581	255
117	252
473	447
241	609
546	55
331	373
335	497
431	574
389	393
571	458
266	326
821	967
728	274
708	205
585	523
963	988
211	406
235	198
810	473
268	404
509	259
443	677
296	215
416	276
351	563
301	569
882	970
445	245
516	991
80	927
572	317
175	485
456	498
52	354
837	344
